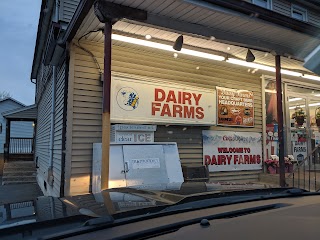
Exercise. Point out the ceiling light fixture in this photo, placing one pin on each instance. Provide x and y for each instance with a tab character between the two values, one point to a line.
251	65
250	57
166	47
312	77
148	36
262	67
294	99
178	43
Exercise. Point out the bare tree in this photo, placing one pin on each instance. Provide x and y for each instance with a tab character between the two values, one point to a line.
4	94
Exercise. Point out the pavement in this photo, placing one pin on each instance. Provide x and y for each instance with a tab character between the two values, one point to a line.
19	192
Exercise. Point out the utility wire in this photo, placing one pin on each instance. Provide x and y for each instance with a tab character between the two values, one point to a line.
89	52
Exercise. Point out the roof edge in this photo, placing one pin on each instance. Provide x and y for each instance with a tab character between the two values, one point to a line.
78	17
43	25
14	100
16	110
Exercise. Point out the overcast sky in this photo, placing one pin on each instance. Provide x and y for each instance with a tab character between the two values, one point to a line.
19	22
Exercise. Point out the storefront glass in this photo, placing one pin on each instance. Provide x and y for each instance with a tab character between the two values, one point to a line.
302	112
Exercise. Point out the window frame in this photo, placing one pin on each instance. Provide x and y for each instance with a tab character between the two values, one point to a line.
301	10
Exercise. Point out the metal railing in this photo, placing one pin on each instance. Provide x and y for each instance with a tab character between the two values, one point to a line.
21	146
304	174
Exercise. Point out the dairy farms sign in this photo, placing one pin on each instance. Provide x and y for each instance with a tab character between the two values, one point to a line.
232	151
138	101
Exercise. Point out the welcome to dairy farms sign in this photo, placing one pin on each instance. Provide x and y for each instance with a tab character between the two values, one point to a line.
232	151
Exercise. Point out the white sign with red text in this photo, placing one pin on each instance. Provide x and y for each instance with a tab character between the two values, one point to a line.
137	101
232	151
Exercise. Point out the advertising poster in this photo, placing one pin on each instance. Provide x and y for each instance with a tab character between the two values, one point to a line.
137	101
235	107
271	102
232	151
299	150
272	141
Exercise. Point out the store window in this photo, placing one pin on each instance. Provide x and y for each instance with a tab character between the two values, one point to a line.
263	3
303	121
299	13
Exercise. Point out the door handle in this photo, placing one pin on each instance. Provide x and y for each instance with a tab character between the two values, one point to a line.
126	167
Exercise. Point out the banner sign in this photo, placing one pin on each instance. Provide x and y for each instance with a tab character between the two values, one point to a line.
235	107
232	151
138	101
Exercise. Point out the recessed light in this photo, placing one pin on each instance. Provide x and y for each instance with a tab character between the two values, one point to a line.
175	55
198	68
148	37
228	48
212	38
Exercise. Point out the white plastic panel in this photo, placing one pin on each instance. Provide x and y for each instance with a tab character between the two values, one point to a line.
146	164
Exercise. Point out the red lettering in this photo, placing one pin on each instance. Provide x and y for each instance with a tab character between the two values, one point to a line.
177	109
235	159
158	91
214	160
240	159
246	159
253	159
223	160
165	110
186	98
200	114
171	97
155	108
207	160
220	150
258	159
229	159
196	98
188	112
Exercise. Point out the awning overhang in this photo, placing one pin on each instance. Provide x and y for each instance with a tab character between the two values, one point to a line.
28	113
200	23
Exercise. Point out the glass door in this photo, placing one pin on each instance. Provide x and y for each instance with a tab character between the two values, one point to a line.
298	127
314	112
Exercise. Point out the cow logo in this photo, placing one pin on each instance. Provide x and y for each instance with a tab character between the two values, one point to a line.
128	99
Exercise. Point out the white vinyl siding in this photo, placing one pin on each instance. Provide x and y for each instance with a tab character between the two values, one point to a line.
314	18
42	147
67	9
282	6
141	63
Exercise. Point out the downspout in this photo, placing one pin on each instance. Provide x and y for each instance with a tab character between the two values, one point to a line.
50	178
64	129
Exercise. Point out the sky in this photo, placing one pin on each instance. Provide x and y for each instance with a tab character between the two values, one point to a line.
19	24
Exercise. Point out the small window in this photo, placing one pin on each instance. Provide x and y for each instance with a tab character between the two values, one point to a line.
299	13
263	3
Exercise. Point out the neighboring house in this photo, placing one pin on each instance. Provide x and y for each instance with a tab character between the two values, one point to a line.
70	94
18	129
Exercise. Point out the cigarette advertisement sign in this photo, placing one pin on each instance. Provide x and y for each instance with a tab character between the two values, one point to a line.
235	107
138	101
232	151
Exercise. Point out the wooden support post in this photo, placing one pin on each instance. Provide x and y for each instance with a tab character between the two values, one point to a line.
280	121
106	107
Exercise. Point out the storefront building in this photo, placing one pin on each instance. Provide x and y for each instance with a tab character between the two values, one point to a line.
218	108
